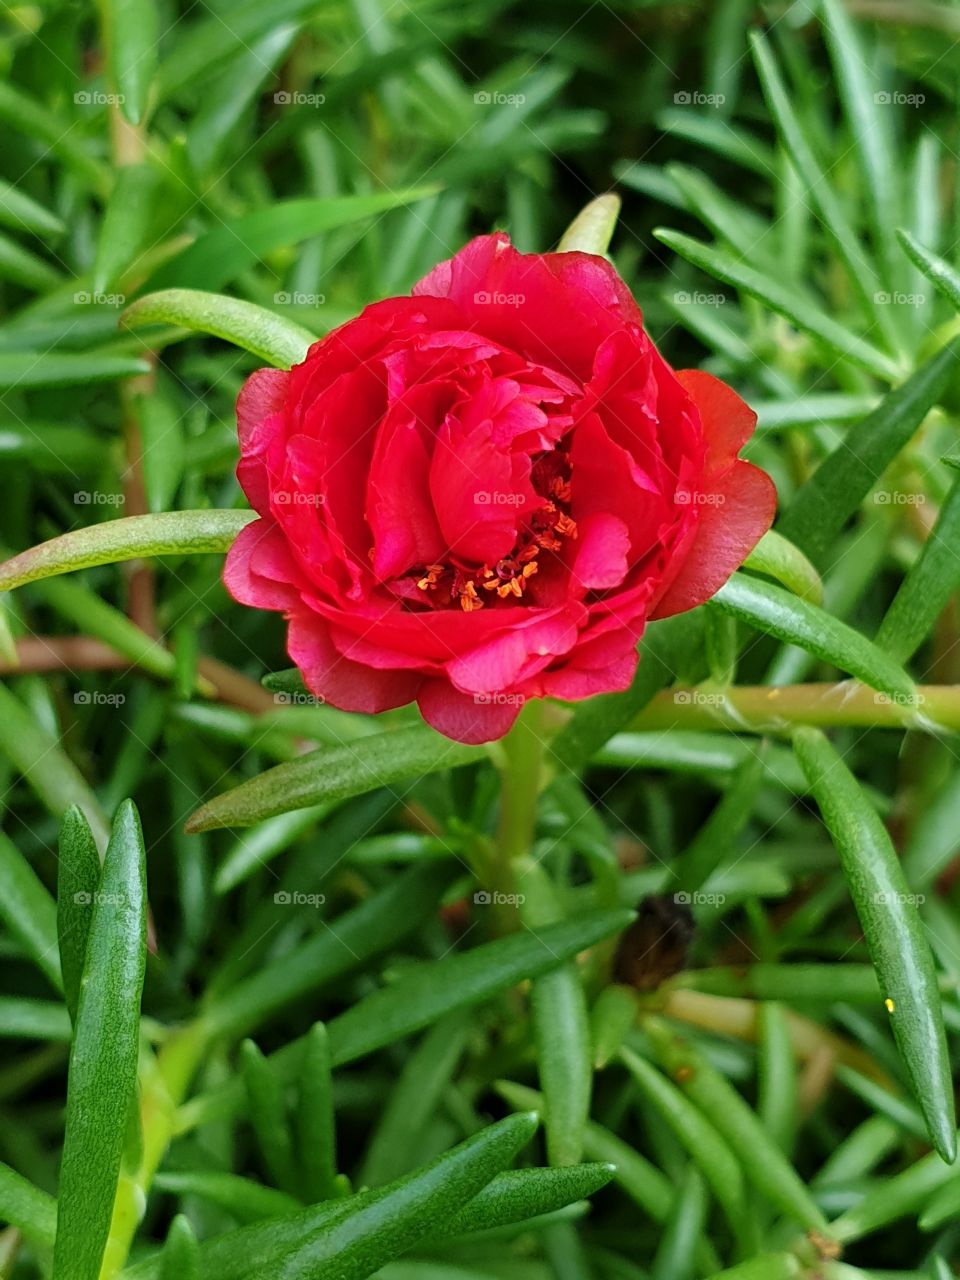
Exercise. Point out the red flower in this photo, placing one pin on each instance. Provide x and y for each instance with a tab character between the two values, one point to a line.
480	493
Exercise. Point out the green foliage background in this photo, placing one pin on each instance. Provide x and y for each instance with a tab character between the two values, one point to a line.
363	972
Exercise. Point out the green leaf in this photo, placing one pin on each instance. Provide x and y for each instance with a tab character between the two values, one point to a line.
22	1018
251	853
45	765
275	339
527	1193
926	590
561	1028
392	1150
592	229
943	1209
676	1253
78	876
316	1123
180	1259
242	1198
770	609
824	504
28	910
130	31
871	146
819	187
765	1266
20	211
24	369
893	931
333	774
101	1084
899	1196
423	994
777	557
267	1111
785	300
127	220
26	1207
130	538
222	254
161	448
357	1242
938	271
762	1160
376	923
704	1143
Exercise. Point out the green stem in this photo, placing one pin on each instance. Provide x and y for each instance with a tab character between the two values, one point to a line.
520	761
780	709
163	1082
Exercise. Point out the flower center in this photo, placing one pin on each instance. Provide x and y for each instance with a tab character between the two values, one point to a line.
448	583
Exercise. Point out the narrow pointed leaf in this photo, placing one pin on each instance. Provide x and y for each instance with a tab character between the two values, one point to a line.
824	504
423	994
180	1259
103	1062
28	910
944	278
316	1121
26	1207
780	614
131	37
783	299
764	1164
592	229
777	557
78	876
926	590
130	538
272	338
893	930
334	774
